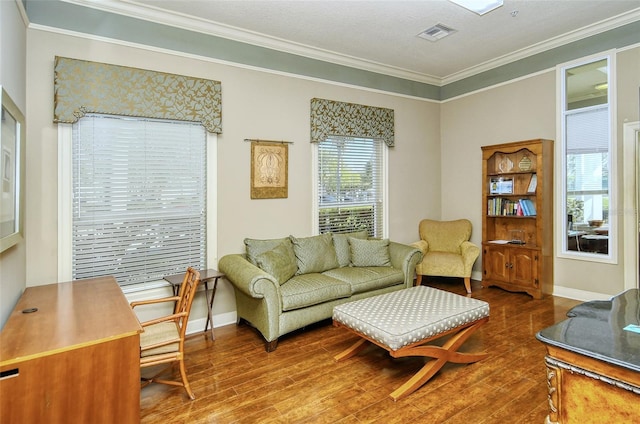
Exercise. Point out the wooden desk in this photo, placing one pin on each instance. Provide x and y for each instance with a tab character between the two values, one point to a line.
593	369
75	360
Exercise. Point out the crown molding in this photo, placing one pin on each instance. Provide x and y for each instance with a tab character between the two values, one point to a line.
597	28
204	26
156	15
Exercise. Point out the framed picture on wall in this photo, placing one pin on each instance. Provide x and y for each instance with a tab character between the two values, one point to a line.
12	171
269	170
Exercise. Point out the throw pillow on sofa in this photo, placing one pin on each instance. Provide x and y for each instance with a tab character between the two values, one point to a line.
314	254
341	244
280	262
255	247
369	252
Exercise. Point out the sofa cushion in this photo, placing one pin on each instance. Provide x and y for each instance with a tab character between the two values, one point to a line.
311	289
280	262
363	279
369	252
341	244
314	254
254	247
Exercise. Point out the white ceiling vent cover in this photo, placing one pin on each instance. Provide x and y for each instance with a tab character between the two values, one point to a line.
436	32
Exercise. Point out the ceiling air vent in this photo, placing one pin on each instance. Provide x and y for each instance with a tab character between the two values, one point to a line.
436	32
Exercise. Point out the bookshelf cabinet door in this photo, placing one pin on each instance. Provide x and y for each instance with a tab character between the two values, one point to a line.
496	263
524	267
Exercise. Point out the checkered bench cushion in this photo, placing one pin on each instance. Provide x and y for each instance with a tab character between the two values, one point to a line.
407	316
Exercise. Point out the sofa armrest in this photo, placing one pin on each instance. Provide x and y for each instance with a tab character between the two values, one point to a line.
405	258
247	277
470	253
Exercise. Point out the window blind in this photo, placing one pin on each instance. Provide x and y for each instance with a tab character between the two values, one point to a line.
587	141
588	131
139	198
350	185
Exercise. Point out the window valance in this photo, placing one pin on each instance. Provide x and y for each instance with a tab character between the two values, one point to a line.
331	118
82	87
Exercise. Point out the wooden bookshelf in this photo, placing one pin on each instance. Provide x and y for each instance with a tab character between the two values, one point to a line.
517	218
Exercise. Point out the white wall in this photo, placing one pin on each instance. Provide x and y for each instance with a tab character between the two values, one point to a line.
255	104
521	110
13	41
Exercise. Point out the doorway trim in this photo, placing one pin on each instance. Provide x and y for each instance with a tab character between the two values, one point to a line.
631	138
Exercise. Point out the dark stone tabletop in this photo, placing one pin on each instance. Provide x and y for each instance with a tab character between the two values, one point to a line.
596	329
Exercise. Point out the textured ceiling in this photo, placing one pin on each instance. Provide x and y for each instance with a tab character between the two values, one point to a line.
382	35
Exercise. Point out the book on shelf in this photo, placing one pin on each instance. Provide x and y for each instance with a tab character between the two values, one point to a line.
533	183
528	207
531	206
500	206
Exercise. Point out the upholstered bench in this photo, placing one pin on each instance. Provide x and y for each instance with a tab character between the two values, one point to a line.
403	322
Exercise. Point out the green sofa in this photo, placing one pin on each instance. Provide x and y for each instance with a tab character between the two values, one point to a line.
285	284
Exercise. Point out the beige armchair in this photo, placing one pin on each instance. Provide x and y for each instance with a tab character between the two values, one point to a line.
447	250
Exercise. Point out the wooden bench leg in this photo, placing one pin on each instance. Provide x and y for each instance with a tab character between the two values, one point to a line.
441	355
352	350
446	353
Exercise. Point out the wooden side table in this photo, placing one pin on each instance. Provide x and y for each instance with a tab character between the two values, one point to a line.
205	276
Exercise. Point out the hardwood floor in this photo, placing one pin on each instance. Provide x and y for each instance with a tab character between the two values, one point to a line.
236	381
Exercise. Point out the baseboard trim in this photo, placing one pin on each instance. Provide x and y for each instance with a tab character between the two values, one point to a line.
577	294
219	320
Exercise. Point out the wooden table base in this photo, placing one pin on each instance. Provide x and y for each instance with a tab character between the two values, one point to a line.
440	354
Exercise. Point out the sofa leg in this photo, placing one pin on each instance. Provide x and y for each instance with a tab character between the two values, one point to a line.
271	346
418	279
467	284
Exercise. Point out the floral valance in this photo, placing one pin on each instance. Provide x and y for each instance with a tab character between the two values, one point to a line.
82	87
331	118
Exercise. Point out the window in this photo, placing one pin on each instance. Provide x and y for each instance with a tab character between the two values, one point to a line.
587	155
138	198
350	185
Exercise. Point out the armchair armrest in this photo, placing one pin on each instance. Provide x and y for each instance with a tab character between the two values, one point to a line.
154	301
247	277
470	253
171	317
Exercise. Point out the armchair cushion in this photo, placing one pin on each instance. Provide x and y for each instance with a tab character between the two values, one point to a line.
369	252
280	262
315	253
443	263
341	244
445	236
163	332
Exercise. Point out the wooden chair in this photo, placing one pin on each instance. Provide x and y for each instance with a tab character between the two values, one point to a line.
162	341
